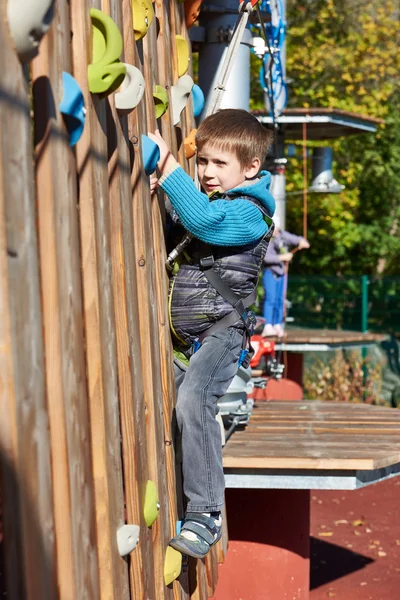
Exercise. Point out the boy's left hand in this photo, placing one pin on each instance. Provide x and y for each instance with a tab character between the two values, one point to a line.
167	161
153	184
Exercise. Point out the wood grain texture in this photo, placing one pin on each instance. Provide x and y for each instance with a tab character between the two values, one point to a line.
92	165
316	435
24	428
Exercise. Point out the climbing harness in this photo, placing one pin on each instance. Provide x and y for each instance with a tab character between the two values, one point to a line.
240	306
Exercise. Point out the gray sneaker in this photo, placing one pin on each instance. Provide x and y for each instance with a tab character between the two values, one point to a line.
198	534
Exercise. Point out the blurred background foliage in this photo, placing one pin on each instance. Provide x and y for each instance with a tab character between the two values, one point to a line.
344	54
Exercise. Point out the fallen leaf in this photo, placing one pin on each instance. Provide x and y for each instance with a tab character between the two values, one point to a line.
398	542
363	583
357	523
371	546
381	553
325	533
341	521
356	533
367	530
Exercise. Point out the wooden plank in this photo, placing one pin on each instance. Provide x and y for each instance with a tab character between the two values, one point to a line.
254	462
25	445
198	589
13	579
92	158
149	328
133	408
328	336
62	307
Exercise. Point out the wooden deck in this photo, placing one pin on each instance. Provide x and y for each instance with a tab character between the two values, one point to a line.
300	438
329	336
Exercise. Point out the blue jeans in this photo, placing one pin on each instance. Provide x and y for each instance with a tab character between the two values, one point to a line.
199	387
274	296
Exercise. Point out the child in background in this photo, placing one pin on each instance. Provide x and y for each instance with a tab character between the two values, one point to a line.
276	261
229	227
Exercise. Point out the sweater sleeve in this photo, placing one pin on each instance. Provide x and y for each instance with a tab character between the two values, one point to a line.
271	257
221	222
290	238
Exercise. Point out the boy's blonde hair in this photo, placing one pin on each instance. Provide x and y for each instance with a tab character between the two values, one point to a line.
235	130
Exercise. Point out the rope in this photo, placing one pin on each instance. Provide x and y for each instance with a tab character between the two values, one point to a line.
218	92
271	75
305	180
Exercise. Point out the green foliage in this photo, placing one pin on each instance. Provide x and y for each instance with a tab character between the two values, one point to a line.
344	55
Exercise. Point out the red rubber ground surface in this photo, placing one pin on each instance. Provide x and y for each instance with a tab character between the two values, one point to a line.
355	544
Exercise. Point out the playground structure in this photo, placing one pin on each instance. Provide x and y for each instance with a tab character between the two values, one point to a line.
88	488
90	493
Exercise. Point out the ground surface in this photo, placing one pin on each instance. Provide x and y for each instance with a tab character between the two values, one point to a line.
355	544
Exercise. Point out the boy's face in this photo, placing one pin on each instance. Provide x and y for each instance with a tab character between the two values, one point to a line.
219	170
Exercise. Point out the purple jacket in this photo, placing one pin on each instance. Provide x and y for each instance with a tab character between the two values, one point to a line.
279	245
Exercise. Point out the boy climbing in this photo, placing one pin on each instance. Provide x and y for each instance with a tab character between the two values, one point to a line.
225	232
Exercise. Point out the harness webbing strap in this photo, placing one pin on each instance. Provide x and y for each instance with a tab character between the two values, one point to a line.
230	318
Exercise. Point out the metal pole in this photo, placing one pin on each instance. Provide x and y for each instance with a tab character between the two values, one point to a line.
364	303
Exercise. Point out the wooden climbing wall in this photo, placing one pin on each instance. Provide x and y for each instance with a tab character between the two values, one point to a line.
86	377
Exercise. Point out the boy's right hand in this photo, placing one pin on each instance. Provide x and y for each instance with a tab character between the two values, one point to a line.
286	257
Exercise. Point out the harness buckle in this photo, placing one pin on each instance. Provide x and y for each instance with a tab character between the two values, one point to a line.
250	322
207	261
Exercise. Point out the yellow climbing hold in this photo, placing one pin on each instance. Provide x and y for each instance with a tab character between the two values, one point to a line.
182	49
143	15
151	503
172	565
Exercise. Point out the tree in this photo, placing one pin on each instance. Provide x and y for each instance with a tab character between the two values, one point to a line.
344	55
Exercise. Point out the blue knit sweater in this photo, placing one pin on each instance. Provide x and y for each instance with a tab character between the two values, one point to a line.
221	222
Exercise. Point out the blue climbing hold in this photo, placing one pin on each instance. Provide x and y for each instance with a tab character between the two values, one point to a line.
150	154
197	99
72	108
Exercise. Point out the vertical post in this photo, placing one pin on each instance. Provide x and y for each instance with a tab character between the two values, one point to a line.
364	328
364	303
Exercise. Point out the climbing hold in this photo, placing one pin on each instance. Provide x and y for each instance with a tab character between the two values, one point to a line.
151	503
180	93
190	144
197	100
178	526
29	21
72	108
150	157
127	538
132	89
143	15
182	50
161	101
192	11
107	72
172	565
